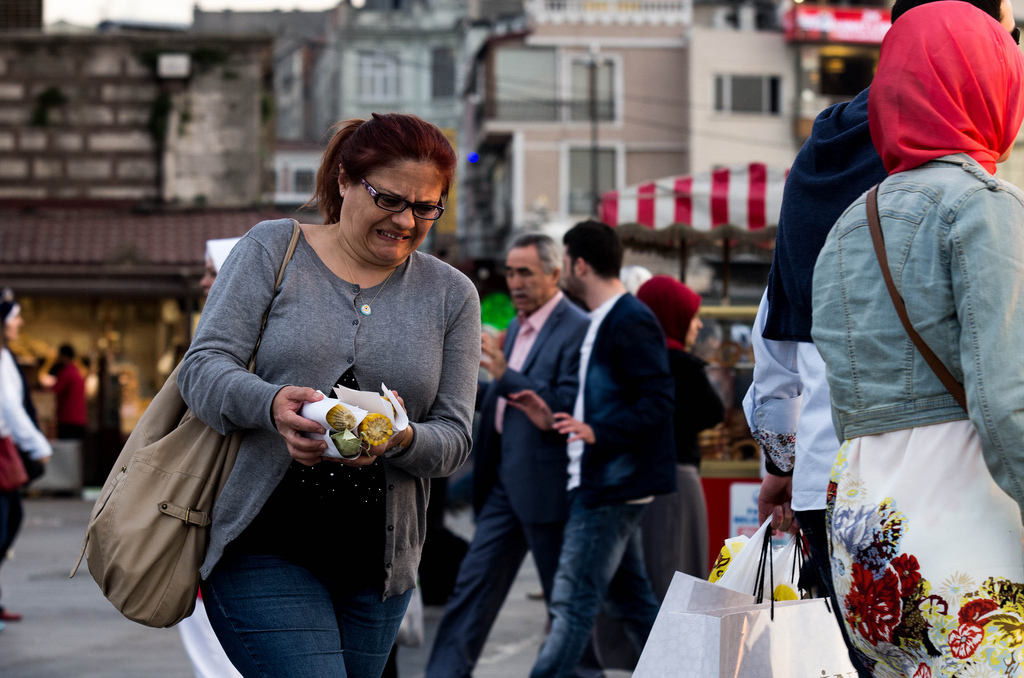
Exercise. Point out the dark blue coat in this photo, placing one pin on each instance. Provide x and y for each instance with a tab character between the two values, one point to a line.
629	400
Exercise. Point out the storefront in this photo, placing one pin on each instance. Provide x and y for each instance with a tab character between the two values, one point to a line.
122	289
837	53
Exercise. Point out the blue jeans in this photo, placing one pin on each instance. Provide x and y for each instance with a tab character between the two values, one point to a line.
275	618
602	563
10	522
499	546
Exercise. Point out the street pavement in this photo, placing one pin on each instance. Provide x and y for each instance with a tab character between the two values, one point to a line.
70	630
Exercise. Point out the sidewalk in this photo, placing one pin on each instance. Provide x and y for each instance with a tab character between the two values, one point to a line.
70	630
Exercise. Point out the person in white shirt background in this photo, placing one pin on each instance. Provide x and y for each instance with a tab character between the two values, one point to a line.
17	422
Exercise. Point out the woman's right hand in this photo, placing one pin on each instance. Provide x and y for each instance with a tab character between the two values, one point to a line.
290	424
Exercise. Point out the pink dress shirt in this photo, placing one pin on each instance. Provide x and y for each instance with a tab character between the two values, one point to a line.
529	328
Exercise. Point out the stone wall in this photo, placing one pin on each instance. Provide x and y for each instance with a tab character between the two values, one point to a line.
85	118
19	14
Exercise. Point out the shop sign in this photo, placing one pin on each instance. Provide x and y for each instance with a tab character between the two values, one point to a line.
743	509
860	25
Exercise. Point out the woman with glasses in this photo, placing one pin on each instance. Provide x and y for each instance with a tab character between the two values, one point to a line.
312	561
925	498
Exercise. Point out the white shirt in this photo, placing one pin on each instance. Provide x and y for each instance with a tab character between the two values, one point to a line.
575	448
15	419
789	401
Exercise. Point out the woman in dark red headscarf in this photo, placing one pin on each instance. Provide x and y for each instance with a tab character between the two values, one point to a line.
926	493
675	525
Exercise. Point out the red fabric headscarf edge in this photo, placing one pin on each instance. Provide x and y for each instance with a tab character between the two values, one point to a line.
674	305
949	81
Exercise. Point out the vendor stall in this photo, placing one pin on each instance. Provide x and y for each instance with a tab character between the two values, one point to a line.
729	207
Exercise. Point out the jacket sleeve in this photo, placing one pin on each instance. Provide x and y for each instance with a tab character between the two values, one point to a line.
985	244
558	390
27	437
63	382
772	403
638	360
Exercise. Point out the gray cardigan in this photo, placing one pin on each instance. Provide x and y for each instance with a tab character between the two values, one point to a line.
423	340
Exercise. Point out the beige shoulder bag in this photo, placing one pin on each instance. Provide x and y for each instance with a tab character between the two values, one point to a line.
149	529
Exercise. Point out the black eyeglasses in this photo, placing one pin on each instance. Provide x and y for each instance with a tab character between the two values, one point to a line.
391	203
1015	34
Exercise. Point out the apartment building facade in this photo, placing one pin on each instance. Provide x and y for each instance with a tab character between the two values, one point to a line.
578	99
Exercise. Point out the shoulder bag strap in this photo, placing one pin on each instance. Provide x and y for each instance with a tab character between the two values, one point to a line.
955	388
280	276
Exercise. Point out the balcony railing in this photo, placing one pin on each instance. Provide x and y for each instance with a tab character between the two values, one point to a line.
665	12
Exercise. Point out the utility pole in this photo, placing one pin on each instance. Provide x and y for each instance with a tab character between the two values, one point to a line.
593	134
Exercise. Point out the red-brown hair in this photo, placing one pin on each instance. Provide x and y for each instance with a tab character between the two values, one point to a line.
361	146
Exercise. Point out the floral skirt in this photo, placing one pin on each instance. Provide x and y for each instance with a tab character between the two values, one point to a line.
927	555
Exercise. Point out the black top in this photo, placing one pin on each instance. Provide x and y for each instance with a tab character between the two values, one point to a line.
327	518
698	406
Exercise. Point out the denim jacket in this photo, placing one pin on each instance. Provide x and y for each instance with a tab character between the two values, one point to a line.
954	235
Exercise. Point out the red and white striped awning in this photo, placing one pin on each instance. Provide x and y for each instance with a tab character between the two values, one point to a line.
742	201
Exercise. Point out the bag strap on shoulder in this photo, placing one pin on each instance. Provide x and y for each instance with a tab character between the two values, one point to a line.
280	276
955	388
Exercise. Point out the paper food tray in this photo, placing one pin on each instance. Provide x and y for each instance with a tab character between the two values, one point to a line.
360	403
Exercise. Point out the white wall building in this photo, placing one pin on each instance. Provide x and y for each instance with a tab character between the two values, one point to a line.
742	96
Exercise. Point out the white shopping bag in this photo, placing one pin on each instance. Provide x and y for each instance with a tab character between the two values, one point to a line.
707	631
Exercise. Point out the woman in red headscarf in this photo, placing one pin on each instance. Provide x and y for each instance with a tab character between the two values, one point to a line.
925	499
676	525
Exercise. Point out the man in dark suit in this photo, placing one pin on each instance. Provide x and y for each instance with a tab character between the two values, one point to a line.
621	453
519	482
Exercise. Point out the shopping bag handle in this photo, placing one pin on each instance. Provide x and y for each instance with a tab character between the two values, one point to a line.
766	555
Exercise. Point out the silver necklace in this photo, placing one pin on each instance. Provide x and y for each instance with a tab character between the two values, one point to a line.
365	308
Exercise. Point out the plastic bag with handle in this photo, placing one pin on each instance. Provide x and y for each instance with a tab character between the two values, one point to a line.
744	564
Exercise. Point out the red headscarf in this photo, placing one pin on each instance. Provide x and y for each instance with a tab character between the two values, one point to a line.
674	304
949	80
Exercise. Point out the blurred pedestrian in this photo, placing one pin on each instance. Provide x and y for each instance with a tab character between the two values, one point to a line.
925	499
788	406
67	383
204	650
621	454
633	277
217	251
312	561
675	526
16	423
519	478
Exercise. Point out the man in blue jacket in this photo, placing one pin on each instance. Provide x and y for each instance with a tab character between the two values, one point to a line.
519	475
621	453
